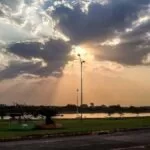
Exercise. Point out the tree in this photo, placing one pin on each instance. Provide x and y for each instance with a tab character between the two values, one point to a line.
2	114
92	105
2	111
48	113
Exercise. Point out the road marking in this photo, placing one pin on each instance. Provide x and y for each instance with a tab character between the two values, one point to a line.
132	147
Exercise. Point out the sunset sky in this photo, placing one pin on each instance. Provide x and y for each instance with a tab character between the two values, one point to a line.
40	41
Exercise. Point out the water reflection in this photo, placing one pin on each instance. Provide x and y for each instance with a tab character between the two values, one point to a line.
86	115
100	115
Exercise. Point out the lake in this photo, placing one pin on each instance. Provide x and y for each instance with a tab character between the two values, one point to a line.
88	115
100	115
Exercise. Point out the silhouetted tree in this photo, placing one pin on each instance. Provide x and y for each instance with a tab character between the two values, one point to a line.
2	114
47	113
2	111
92	105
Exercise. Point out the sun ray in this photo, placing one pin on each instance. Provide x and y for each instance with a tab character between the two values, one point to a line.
83	51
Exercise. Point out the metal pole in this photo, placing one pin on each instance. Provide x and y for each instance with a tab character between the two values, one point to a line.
77	102
81	63
81	90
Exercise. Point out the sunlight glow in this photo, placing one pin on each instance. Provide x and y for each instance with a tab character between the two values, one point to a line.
112	42
84	52
141	20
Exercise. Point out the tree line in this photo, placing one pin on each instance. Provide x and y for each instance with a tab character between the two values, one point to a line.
49	111
16	112
71	108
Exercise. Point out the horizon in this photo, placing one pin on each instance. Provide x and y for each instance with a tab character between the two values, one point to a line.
88	105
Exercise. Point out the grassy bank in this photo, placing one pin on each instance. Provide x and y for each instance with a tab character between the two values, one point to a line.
73	126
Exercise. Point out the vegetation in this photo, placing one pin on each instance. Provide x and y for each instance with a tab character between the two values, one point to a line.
49	111
75	126
102	109
17	112
18	127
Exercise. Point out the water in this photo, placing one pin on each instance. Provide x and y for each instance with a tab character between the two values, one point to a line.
25	117
100	115
87	115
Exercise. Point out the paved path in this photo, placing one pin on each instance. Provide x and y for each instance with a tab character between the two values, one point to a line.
137	140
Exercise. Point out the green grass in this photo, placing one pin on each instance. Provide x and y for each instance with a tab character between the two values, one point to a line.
71	126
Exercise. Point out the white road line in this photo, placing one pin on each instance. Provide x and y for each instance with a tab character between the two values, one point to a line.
128	148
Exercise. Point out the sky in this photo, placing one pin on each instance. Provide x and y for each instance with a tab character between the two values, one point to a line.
40	41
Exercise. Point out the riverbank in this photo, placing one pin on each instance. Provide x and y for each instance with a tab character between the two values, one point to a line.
73	127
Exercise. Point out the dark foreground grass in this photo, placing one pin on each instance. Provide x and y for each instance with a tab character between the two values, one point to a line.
73	126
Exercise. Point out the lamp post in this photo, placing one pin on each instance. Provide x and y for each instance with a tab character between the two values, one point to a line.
77	102
81	65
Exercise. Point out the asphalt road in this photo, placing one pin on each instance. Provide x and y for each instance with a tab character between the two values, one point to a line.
135	140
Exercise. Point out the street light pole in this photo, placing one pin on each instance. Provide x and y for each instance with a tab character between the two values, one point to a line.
77	102
81	64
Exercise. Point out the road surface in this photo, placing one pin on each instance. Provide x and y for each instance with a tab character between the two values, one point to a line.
133	140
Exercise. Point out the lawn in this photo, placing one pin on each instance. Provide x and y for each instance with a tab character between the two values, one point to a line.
73	126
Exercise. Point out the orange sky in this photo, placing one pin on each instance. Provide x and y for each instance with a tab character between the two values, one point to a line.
104	83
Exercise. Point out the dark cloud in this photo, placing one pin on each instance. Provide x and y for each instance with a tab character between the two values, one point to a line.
54	53
1	13
135	46
16	69
100	22
29	68
130	53
53	50
138	33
